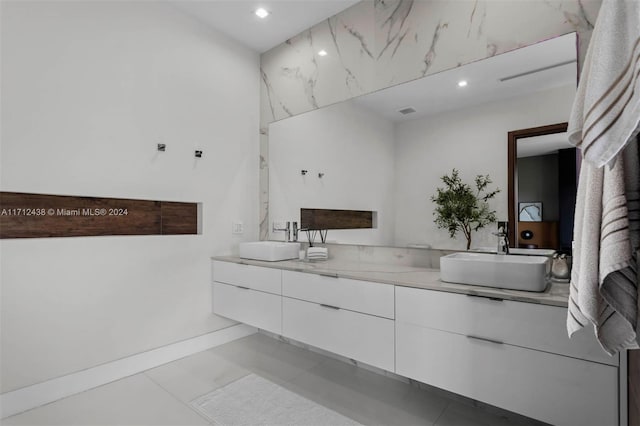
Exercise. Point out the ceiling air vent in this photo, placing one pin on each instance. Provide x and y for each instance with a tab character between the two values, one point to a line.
407	110
522	74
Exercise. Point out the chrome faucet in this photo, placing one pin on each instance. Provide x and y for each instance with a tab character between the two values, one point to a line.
503	238
294	232
287	230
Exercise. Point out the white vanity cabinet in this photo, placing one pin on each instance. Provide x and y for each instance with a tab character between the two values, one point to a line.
347	317
514	355
508	354
248	294
354	295
527	325
268	280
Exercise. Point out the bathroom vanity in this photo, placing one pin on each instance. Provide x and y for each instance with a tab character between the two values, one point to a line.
506	348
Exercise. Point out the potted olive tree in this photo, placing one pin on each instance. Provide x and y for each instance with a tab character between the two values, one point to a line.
461	208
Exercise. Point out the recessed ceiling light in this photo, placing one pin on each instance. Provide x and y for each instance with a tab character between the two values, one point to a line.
261	13
322	52
462	83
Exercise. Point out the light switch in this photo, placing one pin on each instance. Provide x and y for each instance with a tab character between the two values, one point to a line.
237	228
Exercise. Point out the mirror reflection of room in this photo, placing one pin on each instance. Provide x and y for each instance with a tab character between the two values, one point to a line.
387	151
546	177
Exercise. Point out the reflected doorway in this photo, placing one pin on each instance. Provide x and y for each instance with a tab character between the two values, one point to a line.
543	171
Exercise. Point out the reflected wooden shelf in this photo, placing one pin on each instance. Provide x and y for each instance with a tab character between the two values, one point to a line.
545	234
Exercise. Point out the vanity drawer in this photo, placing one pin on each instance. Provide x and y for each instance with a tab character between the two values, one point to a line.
256	308
529	325
365	338
552	388
254	277
354	295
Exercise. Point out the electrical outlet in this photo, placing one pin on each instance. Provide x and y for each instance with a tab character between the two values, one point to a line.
237	228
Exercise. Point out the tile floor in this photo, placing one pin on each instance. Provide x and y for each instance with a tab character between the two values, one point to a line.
161	396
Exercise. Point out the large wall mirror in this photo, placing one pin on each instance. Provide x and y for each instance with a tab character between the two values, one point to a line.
386	151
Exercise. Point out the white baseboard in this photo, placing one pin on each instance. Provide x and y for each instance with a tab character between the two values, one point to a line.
33	396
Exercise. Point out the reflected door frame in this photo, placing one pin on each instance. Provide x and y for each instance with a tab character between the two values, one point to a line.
512	172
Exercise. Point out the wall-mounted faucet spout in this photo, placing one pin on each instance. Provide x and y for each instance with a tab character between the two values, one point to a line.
503	238
286	230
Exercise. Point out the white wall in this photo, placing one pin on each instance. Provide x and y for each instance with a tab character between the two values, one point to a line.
88	90
354	150
472	140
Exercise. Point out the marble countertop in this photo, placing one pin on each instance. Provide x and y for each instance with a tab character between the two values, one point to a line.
556	294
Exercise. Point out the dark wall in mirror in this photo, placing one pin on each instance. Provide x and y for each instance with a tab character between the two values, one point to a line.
542	183
538	182
569	161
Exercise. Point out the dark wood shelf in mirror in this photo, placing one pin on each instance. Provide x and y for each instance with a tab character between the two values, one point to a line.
544	235
25	215
336	219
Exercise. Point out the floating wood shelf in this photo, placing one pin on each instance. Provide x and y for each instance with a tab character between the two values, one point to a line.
315	219
24	215
545	234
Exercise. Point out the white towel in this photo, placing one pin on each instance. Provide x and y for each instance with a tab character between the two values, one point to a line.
317	253
606	110
604	280
604	124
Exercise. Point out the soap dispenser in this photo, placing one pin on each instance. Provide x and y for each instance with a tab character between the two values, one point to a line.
560	270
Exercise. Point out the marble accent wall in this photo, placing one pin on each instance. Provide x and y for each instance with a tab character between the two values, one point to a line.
376	44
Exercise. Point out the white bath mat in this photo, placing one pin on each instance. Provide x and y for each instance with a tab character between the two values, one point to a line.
253	400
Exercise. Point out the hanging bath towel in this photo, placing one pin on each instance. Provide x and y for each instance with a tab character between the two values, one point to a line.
604	124
606	110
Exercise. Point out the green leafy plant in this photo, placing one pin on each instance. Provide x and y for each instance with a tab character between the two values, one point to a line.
461	208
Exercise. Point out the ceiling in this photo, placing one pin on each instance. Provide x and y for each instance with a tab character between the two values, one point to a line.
236	19
288	18
440	92
543	145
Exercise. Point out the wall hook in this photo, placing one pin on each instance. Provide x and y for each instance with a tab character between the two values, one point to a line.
304	172
320	175
162	147
198	154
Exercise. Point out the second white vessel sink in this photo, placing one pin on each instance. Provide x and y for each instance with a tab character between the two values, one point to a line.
529	273
271	251
519	251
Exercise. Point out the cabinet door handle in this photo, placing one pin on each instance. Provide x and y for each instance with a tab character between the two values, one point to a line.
484	339
495	299
330	307
243	288
328	275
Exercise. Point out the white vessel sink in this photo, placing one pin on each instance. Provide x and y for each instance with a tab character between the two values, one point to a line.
532	252
529	273
271	251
